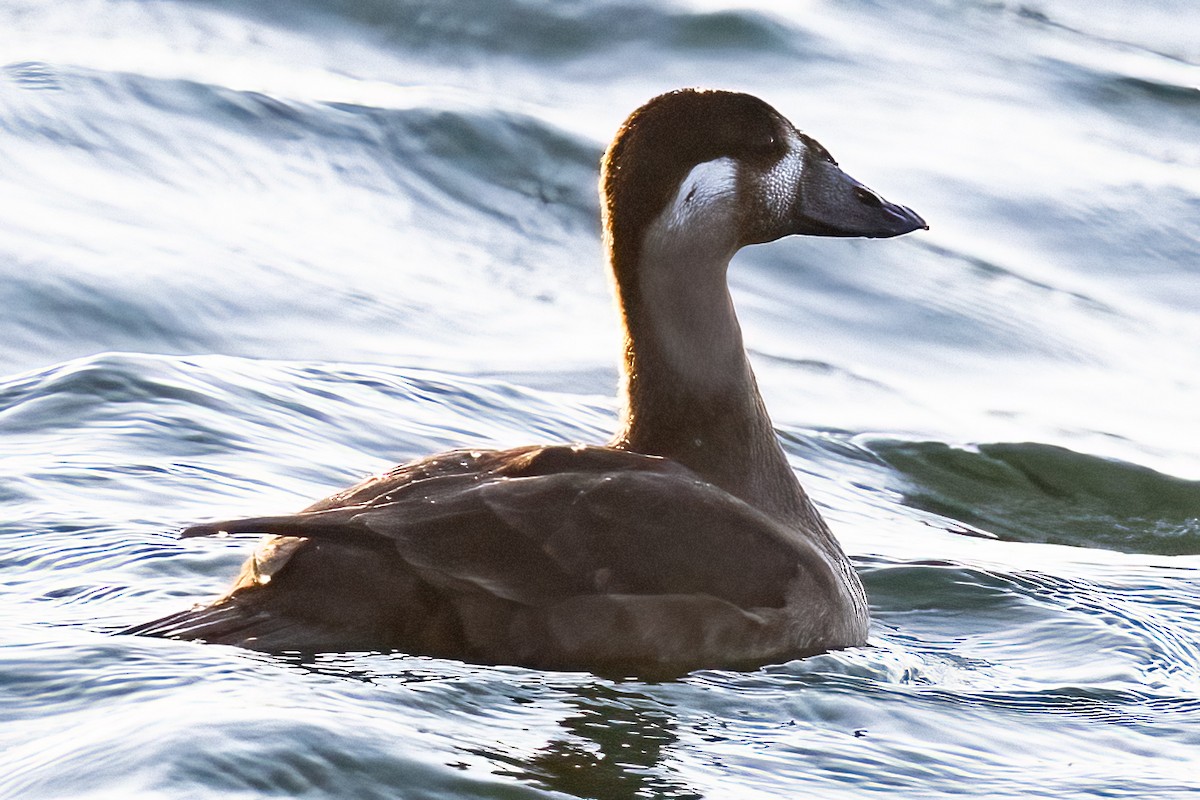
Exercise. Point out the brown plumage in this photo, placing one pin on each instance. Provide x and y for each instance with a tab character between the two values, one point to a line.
687	542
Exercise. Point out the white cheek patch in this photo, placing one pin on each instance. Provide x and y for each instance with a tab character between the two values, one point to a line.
709	186
681	270
781	183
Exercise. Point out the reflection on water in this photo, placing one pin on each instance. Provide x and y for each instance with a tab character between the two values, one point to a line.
612	746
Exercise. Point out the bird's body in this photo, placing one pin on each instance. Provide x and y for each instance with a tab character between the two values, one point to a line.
686	542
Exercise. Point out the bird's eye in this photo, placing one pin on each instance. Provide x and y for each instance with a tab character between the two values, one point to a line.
763	144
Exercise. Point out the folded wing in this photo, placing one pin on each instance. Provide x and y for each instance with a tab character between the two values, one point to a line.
550	557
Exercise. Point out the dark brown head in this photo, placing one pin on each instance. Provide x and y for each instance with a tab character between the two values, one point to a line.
728	167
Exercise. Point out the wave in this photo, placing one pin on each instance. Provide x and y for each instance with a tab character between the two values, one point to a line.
1032	492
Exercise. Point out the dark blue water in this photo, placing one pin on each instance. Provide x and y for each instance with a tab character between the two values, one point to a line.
251	252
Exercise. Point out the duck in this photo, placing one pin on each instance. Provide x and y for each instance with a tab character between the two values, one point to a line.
686	542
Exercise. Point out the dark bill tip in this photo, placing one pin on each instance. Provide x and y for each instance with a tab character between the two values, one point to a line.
903	220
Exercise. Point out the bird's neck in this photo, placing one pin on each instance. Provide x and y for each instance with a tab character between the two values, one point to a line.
689	393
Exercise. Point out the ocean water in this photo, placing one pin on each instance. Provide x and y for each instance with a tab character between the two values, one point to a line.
253	251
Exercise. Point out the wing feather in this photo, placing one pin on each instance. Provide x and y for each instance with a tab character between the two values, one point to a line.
553	556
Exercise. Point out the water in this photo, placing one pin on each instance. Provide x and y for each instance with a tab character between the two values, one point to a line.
252	252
